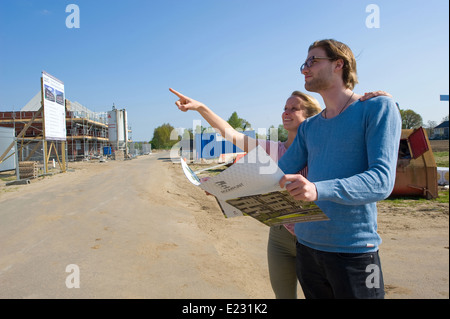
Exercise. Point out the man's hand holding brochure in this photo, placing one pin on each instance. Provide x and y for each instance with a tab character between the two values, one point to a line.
251	187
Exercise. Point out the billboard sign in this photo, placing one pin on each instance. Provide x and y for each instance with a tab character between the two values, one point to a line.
54	107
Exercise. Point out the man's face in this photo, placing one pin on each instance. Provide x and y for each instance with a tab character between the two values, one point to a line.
319	75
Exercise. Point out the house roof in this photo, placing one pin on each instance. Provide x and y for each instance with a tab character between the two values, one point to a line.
76	108
34	104
442	125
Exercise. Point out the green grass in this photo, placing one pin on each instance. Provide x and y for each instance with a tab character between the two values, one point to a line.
8	177
417	200
441	159
443	197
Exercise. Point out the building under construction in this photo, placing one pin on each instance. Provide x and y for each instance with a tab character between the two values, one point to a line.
87	131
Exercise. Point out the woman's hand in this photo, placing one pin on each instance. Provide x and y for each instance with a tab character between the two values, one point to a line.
186	103
204	179
370	95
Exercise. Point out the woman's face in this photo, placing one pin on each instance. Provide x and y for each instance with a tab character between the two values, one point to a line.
293	114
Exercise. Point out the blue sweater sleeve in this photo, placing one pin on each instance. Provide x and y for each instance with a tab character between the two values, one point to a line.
296	156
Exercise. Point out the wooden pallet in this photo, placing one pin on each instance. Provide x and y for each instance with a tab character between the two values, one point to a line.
28	169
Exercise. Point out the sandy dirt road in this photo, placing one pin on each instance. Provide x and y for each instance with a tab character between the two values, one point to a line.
139	229
132	230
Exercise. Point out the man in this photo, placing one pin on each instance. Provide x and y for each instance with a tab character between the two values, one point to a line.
351	149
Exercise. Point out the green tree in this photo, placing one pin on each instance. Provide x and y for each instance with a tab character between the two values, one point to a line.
238	123
410	119
161	137
282	133
187	134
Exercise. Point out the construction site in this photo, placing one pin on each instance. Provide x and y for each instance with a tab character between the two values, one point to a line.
89	136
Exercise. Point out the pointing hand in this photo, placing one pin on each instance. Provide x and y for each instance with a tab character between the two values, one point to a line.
186	103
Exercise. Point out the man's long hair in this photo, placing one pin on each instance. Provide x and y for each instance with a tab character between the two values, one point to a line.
337	50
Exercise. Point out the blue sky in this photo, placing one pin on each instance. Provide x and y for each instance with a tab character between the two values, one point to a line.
233	55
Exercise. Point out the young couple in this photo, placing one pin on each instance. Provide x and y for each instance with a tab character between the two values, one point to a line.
344	159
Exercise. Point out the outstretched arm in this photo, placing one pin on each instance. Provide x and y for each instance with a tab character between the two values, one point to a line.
223	127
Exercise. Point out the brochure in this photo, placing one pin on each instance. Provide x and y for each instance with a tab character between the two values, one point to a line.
251	187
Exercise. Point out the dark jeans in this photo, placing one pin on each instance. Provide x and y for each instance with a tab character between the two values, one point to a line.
328	275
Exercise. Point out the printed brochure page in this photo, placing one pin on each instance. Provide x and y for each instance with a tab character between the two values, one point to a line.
251	187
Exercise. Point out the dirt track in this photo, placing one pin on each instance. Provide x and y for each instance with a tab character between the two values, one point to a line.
132	230
139	229
439	145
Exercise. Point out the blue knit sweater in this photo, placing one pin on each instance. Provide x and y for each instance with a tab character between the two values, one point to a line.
352	161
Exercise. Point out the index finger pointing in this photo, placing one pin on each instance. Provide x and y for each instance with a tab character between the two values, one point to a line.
177	93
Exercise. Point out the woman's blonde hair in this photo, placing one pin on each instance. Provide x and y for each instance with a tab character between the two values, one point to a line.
311	105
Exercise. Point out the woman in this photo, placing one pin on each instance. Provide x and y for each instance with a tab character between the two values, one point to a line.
281	248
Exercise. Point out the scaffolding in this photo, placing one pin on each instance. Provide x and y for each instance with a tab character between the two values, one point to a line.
34	156
87	137
87	133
